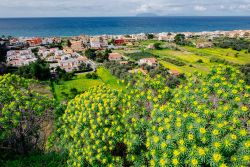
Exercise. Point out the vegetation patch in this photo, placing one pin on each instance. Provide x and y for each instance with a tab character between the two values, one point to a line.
174	61
140	55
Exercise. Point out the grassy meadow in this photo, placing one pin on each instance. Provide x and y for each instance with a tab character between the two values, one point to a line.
197	59
82	83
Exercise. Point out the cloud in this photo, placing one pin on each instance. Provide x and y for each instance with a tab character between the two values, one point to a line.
144	8
64	8
200	8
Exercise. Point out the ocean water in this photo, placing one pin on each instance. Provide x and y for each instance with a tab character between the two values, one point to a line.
117	25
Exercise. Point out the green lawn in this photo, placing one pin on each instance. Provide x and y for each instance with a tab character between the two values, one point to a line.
81	83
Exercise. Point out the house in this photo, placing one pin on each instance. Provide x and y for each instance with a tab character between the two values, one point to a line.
67	50
95	43
149	61
34	41
47	41
204	45
139	70
119	41
123	62
69	64
82	59
139	37
18	58
115	56
174	72
77	46
151	46
166	37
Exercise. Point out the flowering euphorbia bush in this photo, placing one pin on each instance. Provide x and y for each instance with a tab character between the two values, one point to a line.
206	123
91	128
203	122
23	113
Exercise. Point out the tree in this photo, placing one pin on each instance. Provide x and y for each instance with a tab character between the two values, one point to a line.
157	46
3	52
69	43
180	39
23	113
90	53
38	70
150	36
35	51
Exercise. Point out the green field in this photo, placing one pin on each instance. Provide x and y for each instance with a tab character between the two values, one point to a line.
190	56
238	57
81	83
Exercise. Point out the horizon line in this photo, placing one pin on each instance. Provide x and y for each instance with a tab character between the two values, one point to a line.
117	16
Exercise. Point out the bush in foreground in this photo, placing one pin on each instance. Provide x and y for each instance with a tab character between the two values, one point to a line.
23	113
204	122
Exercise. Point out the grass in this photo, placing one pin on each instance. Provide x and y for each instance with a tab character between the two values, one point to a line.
190	55
181	55
107	78
227	54
37	160
184	56
81	83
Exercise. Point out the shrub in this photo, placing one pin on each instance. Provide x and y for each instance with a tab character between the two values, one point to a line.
23	112
139	55
92	76
203	122
199	61
91	129
174	61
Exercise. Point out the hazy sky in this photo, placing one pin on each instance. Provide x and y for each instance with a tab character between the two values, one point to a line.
67	8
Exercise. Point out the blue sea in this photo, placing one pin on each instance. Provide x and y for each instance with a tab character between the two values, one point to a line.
117	25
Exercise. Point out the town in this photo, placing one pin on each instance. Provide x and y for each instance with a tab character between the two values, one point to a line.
70	53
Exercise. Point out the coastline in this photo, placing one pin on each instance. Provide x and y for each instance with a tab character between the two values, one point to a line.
74	26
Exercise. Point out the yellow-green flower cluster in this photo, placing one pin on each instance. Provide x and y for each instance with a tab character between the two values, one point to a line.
21	107
205	123
92	129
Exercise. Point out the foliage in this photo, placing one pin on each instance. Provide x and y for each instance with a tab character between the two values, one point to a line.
52	159
157	45
203	122
179	39
102	56
221	61
63	75
245	69
37	70
92	75
3	52
90	54
23	112
92	122
234	43
35	51
140	55
200	61
150	36
83	67
174	61
119	70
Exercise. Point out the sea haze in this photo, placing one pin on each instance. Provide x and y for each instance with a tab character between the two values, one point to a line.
117	25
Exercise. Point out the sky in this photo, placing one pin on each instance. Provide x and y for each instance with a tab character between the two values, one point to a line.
103	8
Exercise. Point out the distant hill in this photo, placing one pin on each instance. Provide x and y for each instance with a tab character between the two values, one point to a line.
146	15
